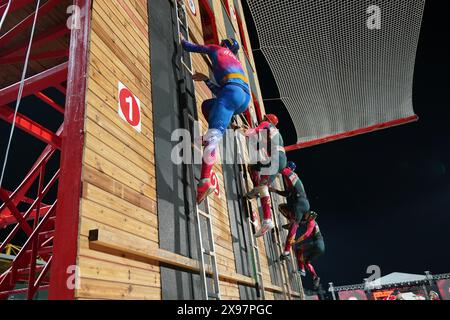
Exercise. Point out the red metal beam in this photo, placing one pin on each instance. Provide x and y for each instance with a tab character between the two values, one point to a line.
7	218
36	56
50	102
15	5
19	194
39	82
25	23
29	126
61	89
24	199
352	133
38	41
69	193
20	219
6	294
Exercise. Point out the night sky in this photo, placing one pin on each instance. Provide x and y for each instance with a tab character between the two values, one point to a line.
383	198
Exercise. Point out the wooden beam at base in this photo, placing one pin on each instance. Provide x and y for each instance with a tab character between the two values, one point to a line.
147	252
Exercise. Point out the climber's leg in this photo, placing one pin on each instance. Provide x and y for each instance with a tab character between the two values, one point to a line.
267	224
299	207
219	113
300	261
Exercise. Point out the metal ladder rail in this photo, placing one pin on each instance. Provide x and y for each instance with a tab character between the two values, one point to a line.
198	214
243	176
277	254
278	250
286	294
182	25
291	262
277	232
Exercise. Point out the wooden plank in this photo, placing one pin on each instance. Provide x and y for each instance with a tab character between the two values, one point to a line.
109	200
104	182
95	117
96	161
109	271
114	219
104	58
126	61
121	148
118	22
114	155
106	241
85	251
103	96
94	288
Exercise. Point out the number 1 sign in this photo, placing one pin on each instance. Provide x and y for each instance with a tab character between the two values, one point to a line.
130	107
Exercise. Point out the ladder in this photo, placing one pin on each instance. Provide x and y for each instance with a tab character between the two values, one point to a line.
278	250
254	242
183	32
290	265
210	252
207	270
244	188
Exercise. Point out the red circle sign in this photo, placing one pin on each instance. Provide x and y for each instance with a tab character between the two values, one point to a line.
215	183
129	107
192	7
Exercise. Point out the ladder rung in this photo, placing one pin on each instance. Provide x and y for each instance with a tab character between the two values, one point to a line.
209	253
187	67
204	214
213	295
182	24
197	147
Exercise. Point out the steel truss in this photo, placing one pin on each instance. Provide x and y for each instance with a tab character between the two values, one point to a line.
39	256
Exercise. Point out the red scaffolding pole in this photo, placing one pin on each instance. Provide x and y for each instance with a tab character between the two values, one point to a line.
69	193
34	261
25	23
31	127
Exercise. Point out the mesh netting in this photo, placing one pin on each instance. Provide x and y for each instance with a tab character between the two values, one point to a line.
336	75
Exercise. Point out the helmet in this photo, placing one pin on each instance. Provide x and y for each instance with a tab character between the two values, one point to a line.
291	165
231	44
273	119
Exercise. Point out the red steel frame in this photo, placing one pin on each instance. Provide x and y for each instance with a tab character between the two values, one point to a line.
204	4
353	133
69	193
51	229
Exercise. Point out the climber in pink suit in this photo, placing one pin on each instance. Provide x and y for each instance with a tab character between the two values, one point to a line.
274	144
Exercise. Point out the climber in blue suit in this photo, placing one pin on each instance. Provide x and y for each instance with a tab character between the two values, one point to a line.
232	98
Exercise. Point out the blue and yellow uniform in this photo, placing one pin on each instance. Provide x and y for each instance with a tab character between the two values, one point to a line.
233	93
232	98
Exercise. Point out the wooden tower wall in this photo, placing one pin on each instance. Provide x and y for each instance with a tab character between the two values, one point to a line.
119	189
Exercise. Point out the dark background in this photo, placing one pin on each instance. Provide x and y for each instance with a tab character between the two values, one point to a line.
383	198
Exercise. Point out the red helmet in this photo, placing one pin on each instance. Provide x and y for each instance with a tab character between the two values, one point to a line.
273	119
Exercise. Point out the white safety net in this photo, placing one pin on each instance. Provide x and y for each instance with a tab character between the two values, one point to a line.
341	65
